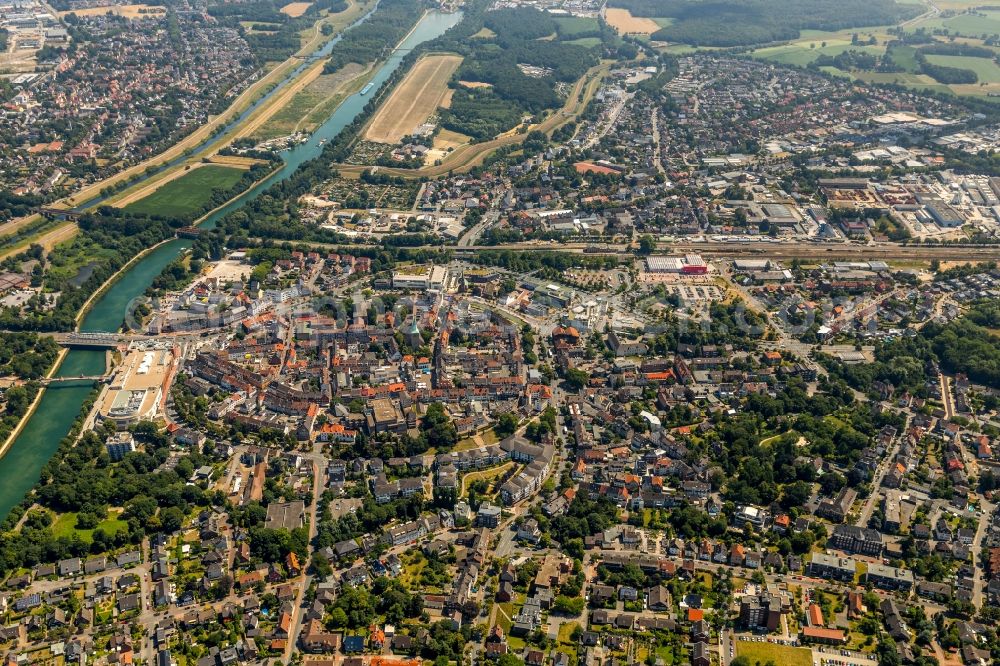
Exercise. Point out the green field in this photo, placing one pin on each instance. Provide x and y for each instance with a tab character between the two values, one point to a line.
779	654
186	196
982	23
802	53
65	526
586	42
571	26
987	70
905	57
835	71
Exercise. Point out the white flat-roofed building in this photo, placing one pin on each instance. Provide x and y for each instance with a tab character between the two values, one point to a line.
664	264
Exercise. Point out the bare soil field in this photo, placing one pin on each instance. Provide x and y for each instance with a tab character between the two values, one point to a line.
296	9
475	84
128	11
445	141
419	94
623	22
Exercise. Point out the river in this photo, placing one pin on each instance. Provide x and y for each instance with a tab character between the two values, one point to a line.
61	403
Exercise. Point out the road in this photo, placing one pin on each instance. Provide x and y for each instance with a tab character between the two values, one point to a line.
986	512
319	465
946	399
472	234
880	472
657	140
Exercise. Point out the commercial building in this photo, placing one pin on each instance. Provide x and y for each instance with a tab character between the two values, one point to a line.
420	278
138	387
689	264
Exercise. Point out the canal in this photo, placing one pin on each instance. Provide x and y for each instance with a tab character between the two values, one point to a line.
60	404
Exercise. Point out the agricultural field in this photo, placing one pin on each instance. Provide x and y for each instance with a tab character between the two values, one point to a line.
312	105
987	70
185	196
586	42
779	654
801	53
624	23
296	9
981	22
413	101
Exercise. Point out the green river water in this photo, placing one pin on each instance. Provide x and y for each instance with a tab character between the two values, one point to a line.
61	403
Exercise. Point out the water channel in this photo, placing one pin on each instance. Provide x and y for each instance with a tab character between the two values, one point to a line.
61	403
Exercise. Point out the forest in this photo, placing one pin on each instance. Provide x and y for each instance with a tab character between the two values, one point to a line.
745	22
26	355
969	344
521	36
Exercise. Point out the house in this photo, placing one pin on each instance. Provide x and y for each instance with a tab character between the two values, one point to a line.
700	655
354	644
658	599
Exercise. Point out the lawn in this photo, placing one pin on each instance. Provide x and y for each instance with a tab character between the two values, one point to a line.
779	654
65	526
986	69
485	438
186	196
486	474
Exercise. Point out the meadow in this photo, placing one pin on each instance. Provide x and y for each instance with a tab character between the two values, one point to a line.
186	196
779	654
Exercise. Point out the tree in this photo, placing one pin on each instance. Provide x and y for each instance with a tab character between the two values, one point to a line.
647	244
338	618
509	660
506	425
576	379
571	606
438	429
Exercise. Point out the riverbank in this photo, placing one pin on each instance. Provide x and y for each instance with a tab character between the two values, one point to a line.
12	437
